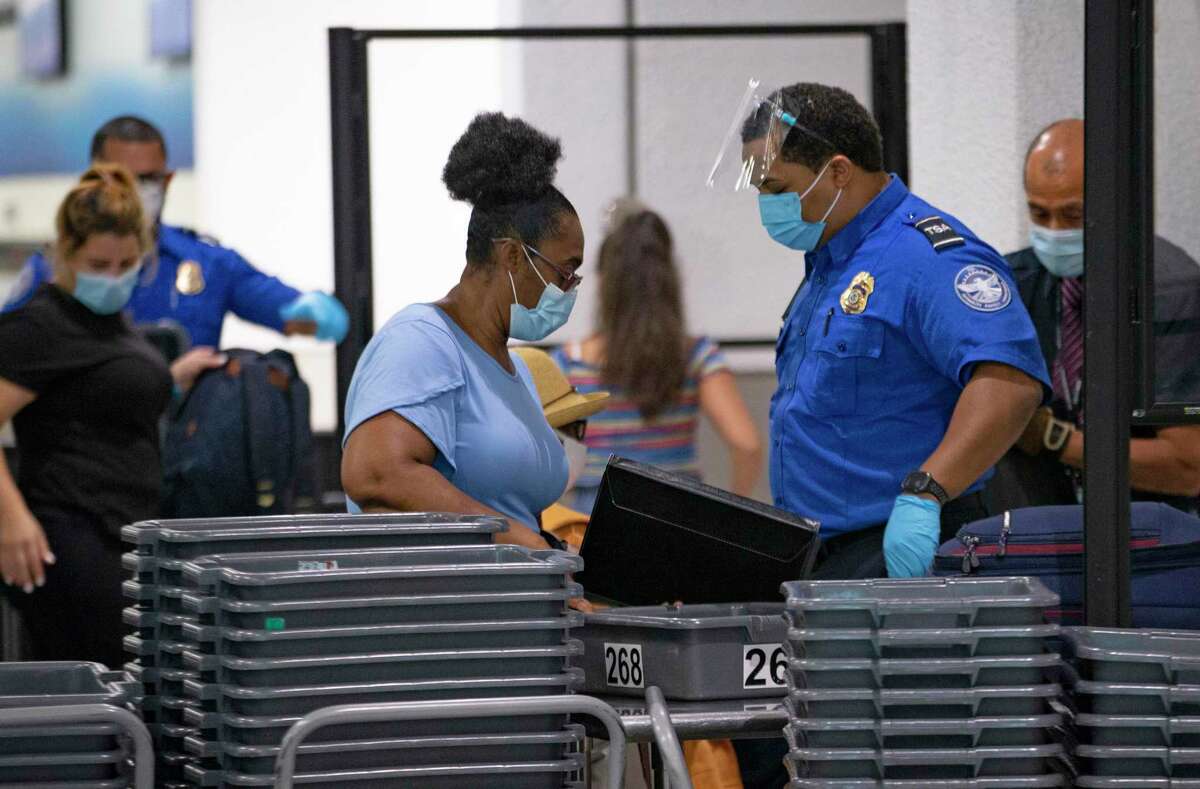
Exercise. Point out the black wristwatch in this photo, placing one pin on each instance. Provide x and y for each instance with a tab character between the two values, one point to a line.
923	482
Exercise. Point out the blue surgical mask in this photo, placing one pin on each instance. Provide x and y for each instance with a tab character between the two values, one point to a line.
552	310
1060	251
105	295
152	193
781	217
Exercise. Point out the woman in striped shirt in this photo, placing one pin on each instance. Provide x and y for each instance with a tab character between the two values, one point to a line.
660	378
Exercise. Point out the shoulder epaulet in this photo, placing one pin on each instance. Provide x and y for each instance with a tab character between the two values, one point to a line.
939	234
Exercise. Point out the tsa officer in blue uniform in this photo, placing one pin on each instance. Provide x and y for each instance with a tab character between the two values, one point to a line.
194	282
906	365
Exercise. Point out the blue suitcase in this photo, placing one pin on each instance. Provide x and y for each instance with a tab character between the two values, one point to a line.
1047	543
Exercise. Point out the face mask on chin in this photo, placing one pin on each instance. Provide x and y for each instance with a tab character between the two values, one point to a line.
576	458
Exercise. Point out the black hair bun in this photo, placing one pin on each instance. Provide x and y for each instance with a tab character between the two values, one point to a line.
500	160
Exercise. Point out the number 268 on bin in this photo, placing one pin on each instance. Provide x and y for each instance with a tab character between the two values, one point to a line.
623	666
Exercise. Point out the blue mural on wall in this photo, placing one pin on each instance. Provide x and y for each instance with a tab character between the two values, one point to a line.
47	128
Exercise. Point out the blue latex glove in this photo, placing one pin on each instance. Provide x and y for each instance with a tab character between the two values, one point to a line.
911	537
323	310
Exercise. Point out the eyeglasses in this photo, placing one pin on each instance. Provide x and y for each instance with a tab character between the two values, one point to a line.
569	279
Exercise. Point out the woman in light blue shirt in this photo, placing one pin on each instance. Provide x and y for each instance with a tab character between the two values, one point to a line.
440	416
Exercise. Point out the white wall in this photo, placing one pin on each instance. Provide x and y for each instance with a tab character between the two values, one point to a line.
983	78
1176	118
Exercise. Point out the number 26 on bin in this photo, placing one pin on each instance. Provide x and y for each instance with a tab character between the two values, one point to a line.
623	666
763	666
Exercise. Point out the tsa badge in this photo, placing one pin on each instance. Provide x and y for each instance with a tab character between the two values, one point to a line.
854	298
189	279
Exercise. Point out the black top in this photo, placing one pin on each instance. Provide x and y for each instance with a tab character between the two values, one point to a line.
89	442
1177	364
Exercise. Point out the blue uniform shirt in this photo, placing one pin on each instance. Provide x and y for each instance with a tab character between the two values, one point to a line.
865	393
194	283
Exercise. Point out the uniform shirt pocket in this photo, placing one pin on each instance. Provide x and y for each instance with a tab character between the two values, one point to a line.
830	379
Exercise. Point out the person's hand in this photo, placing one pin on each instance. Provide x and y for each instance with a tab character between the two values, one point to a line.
187	368
581	604
322	309
1044	433
24	551
911	537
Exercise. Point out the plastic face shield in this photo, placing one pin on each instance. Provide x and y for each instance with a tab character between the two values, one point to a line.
762	119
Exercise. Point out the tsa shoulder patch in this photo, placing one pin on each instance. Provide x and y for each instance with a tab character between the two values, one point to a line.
939	234
982	289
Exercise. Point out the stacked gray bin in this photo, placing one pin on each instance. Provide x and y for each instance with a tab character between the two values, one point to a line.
690	652
922	682
1137	699
83	755
279	635
160	548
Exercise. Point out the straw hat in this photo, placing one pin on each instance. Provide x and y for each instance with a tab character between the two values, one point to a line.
561	402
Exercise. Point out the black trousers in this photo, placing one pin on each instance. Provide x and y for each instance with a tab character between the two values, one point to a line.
77	614
858	554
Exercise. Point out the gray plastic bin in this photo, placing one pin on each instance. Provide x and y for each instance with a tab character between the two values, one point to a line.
45	767
302	699
692	653
316	642
1135	656
964	642
1103	782
908	603
1011	731
1141	731
44	683
1022	701
156	542
383	666
91	737
924	673
1107	698
1000	782
379	609
499	775
948	763
543	746
1115	762
301	574
269	731
144	536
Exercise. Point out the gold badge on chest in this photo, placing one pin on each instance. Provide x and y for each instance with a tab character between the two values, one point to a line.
854	298
189	278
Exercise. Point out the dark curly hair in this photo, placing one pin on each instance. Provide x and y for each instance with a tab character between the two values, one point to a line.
831	121
505	168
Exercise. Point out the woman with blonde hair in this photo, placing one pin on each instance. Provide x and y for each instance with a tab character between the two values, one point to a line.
84	393
661	378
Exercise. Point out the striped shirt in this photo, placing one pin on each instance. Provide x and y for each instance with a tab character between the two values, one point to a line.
668	442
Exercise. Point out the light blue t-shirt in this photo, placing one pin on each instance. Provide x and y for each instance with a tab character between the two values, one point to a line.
493	442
